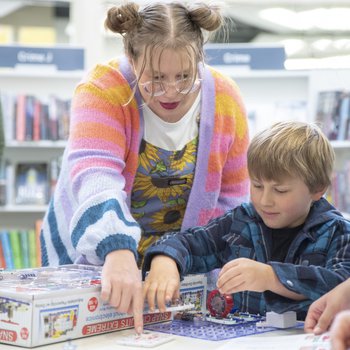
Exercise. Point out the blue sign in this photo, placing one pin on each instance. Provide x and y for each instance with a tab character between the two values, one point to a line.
61	58
245	56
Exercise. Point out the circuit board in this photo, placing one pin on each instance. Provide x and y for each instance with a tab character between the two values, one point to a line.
208	330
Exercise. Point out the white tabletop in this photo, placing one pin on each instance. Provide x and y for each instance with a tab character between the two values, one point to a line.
108	342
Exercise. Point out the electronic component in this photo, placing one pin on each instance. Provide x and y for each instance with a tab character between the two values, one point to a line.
219	305
284	320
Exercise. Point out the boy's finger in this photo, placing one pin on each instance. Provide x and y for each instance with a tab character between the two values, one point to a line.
226	277
161	301
172	291
151	295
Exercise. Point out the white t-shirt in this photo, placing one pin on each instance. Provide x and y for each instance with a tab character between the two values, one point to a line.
171	136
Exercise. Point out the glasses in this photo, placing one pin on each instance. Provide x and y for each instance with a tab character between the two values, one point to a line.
182	86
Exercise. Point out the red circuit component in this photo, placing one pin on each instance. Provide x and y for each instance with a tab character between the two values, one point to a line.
219	305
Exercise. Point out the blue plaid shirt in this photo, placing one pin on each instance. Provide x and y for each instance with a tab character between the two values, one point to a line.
318	258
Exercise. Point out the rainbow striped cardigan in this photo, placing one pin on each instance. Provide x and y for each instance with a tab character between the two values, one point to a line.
89	213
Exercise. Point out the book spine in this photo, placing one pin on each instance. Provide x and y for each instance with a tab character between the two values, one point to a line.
53	119
44	122
24	248
32	248
5	241
21	118
15	245
36	120
29	117
344	117
2	257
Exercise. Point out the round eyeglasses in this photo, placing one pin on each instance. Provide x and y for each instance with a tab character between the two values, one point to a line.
182	86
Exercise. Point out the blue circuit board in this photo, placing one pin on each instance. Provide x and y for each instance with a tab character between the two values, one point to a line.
208	330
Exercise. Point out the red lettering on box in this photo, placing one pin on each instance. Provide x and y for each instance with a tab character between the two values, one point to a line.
8	335
102	327
122	323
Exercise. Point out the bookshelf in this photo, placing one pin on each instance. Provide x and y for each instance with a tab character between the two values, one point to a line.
36	88
40	82
280	95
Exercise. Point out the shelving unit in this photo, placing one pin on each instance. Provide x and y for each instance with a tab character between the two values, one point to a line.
261	89
39	82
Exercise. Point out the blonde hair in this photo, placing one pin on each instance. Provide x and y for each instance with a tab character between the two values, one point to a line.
292	148
164	26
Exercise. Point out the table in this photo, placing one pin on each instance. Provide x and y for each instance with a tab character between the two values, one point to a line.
107	341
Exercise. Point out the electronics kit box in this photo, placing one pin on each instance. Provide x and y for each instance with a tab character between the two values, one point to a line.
48	305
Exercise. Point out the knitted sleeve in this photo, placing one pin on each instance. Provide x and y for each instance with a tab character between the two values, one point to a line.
100	143
99	147
228	156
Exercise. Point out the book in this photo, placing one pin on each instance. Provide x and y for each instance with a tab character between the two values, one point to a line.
31	183
29	117
44	122
53	118
344	117
2	257
15	246
327	113
6	248
32	248
63	112
36	120
20	117
23	235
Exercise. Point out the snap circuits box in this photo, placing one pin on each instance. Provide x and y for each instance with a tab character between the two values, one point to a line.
47	305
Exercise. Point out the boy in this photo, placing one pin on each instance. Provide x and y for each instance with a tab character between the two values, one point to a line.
280	252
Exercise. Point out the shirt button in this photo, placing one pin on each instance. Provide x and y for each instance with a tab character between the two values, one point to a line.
290	283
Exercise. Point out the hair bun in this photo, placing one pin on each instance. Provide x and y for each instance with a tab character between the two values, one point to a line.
123	19
206	16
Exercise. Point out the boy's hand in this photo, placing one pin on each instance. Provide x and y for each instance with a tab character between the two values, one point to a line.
162	282
244	274
121	285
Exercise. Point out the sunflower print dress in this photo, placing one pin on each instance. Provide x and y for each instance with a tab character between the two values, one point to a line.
161	190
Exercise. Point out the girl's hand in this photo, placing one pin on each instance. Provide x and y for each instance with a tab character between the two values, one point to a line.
122	285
